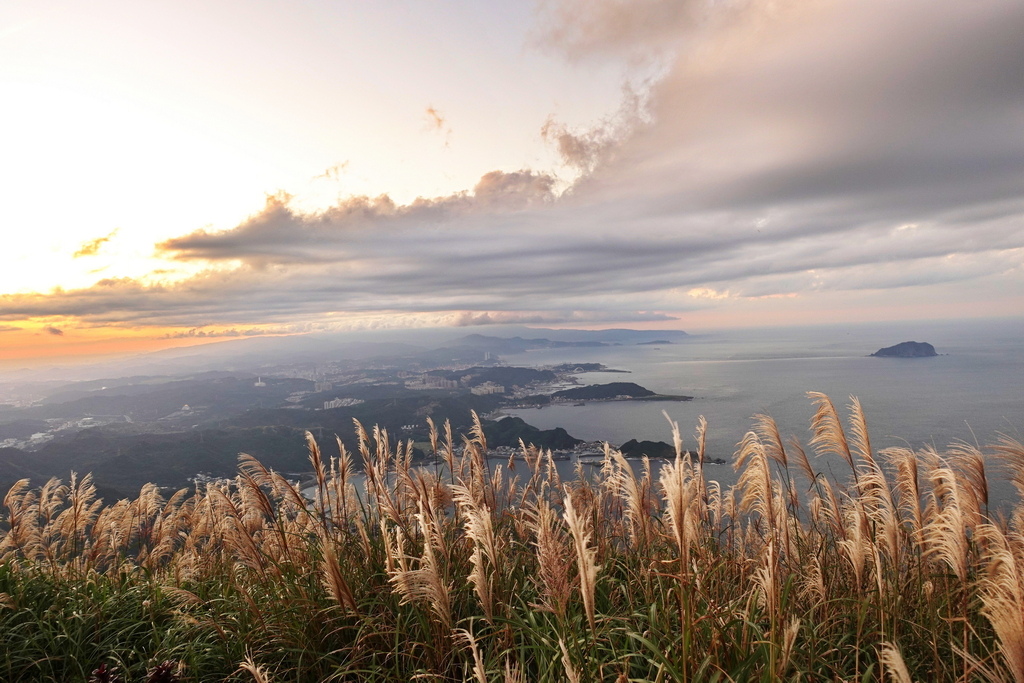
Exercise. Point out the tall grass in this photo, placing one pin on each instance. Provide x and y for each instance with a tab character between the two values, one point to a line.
507	573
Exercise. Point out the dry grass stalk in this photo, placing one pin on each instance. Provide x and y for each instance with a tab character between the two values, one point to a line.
376	467
476	447
449	449
946	532
1002	594
23	534
1010	452
873	487
483	583
831	510
788	641
570	670
812	584
333	578
908	489
879	505
586	558
768	433
829	436
513	672
775	449
679	492
553	560
860	441
235	536
970	465
765	580
425	582
677	435
624	484
701	436
803	463
258	673
479	670
340	476
480	531
714	506
756	482
316	460
856	546
554	479
893	664
67	535
432	435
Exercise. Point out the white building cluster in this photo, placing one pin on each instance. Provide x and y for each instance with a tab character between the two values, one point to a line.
488	388
342	403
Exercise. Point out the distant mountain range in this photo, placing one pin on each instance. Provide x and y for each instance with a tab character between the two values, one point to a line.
434	345
555	339
518	344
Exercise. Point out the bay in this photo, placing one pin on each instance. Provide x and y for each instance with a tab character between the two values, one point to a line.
972	392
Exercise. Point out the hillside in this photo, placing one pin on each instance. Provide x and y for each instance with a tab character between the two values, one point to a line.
509	430
907	349
604	391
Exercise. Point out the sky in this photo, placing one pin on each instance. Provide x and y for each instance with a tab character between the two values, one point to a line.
181	172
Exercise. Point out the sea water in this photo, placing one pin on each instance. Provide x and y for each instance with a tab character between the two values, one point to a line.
972	392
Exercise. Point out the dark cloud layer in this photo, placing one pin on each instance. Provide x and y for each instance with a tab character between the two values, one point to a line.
809	148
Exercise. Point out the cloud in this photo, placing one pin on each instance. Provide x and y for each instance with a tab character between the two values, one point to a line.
890	105
583	150
438	123
434	119
782	154
9	328
92	247
585	28
707	293
279	234
513	191
197	333
333	172
54	331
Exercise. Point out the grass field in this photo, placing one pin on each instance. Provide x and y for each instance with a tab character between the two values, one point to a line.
509	574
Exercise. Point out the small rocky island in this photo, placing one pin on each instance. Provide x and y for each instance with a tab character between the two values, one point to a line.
615	391
907	349
658	450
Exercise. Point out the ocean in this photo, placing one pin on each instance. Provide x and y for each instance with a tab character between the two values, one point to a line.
972	392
